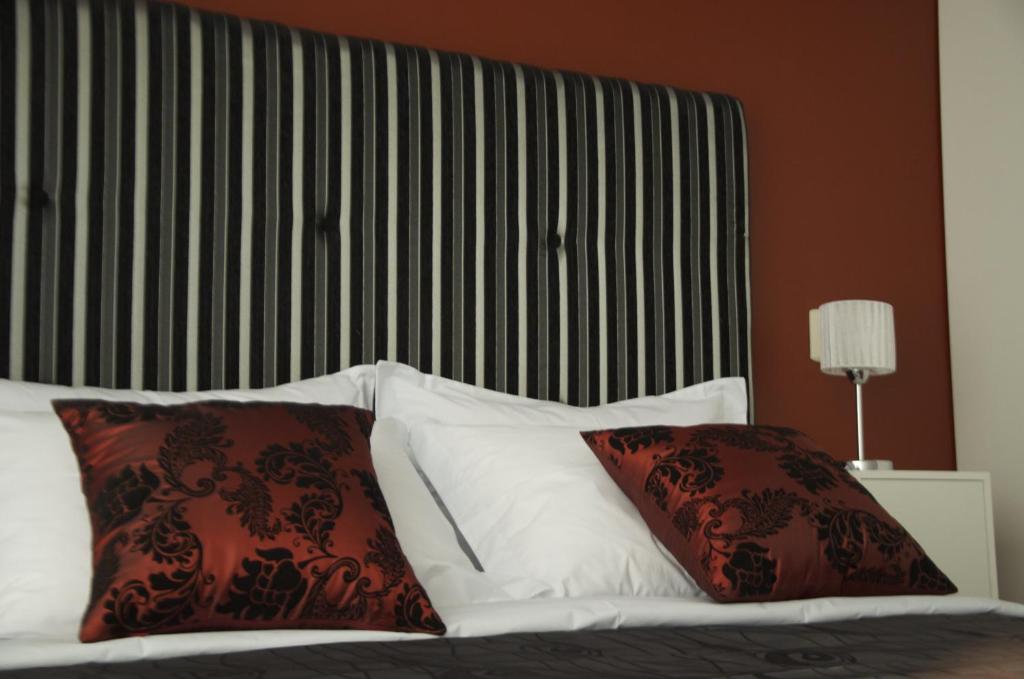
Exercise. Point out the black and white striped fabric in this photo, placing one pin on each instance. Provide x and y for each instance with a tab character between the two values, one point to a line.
189	200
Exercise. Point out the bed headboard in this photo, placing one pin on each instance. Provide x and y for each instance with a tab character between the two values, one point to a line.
190	200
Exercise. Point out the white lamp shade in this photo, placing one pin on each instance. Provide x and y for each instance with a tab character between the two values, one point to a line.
857	334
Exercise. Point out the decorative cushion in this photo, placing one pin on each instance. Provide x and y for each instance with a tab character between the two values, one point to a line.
759	513
221	515
44	584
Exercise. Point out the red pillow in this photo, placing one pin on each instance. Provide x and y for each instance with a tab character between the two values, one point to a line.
221	515
763	514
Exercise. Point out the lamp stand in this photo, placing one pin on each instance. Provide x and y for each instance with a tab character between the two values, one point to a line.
859	377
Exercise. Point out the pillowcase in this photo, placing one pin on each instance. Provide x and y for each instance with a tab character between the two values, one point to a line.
542	516
352	386
763	514
219	515
430	541
45	543
405	394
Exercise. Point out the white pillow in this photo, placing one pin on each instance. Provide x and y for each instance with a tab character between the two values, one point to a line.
45	536
509	506
411	396
427	537
45	539
542	515
352	386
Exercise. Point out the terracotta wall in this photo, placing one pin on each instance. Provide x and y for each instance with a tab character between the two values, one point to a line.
842	108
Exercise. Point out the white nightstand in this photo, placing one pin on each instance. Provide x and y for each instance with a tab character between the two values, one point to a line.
950	514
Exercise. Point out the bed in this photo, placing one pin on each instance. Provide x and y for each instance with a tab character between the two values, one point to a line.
209	206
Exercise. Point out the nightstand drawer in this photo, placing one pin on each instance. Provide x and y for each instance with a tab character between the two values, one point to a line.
950	514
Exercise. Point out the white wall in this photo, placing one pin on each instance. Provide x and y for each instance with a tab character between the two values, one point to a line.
981	60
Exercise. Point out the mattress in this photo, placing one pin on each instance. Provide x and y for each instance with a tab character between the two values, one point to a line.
986	644
644	635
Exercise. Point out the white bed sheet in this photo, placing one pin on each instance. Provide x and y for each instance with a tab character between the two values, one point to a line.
536	615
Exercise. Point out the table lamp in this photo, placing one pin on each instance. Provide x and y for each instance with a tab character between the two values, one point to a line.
855	338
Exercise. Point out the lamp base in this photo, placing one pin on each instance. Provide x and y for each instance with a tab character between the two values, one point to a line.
869	465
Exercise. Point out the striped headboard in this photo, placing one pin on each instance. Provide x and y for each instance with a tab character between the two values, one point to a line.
190	200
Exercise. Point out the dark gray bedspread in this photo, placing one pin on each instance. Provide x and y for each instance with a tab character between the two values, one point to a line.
975	646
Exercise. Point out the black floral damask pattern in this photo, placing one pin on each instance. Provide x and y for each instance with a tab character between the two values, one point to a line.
166	536
760	438
845	533
313	518
169	597
412	610
120	413
308	578
750	570
106	567
303	463
767	512
251	501
373	493
123	496
333	436
628	440
813	474
761	513
926	576
814	469
386	554
197	437
728	526
691	470
687	519
271	587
